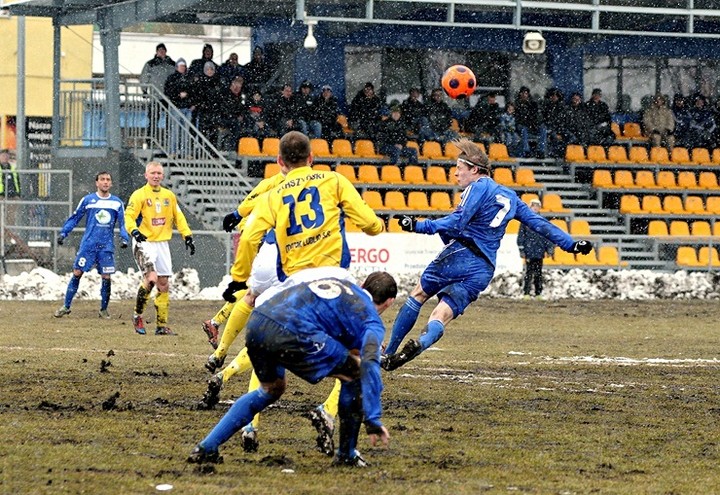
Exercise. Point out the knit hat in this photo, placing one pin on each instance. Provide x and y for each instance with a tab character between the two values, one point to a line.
181	61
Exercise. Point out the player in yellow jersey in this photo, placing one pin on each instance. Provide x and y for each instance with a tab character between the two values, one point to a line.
150	216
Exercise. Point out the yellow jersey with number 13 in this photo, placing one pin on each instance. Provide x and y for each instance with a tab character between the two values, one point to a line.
308	212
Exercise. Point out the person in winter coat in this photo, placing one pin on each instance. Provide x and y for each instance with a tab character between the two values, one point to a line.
179	90
659	123
533	248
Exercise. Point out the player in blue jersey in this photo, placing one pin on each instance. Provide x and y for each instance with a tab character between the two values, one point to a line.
326	327
102	211
465	267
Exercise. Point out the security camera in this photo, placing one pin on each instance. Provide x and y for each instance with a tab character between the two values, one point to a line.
534	43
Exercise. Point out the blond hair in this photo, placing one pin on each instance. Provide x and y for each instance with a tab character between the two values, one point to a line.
472	153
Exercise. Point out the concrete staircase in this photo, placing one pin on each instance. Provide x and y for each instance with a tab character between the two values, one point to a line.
607	224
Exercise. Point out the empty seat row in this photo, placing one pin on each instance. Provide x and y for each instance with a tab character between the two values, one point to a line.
647	179
576	227
629	131
639	154
693	205
697	228
605	256
551	202
704	257
416	200
524	177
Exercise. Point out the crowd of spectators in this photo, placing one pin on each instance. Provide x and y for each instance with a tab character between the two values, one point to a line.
229	101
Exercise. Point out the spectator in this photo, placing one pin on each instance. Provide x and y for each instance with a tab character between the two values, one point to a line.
659	123
157	69
553	115
484	119
197	66
257	121
507	130
576	121
393	138
9	187
533	248
284	113
413	110
230	69
235	114
305	102
179	90
257	71
365	111
599	119
702	125
681	112
437	120
527	120
210	99
327	110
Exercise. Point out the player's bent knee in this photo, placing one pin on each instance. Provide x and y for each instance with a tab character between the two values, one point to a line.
276	388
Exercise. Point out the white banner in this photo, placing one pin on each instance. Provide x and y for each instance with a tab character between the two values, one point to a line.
407	254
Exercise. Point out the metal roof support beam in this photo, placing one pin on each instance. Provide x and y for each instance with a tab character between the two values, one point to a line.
110	40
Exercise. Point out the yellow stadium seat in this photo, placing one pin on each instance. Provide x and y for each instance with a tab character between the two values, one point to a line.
618	154
527	197
271	146
432	150
390	174
394	225
437	175
348	171
701	156
320	148
700	228
249	146
602	179
373	199
365	148
680	156
499	153
596	154
414	174
629	203
414	145
575	153
712	206
588	259
321	166
368	174
687	180
657	228
271	169
716	229
615	128
652	204
440	200
560	223
417	200
564	258
624	179
580	228
716	156
451	151
708	256
686	257
525	177
482	147
503	176
673	205
395	200
639	154
553	203
645	179
342	148
679	228
513	227
632	130
608	255
666	180
694	205
708	180
658	154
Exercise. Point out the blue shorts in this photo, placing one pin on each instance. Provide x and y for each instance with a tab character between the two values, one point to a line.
457	276
87	258
311	355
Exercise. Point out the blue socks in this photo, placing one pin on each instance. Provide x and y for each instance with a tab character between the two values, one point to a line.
240	414
433	331
104	293
404	322
350	415
72	289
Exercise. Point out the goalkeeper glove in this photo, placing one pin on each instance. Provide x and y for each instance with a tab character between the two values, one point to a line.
407	223
582	247
232	288
231	221
138	236
189	244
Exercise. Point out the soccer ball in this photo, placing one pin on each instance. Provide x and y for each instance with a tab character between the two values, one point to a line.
458	81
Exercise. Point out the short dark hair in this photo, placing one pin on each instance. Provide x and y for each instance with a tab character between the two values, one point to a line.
381	286
160	45
294	148
104	172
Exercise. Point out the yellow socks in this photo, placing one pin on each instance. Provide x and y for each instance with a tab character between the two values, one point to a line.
236	322
240	364
331	403
162	304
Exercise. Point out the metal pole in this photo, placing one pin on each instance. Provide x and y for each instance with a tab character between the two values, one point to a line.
56	86
20	117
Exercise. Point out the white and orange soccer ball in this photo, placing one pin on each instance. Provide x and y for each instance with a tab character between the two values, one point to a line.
458	81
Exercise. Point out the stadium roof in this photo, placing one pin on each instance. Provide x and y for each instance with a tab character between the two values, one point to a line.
676	18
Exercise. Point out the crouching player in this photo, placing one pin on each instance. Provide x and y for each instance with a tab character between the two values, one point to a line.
327	327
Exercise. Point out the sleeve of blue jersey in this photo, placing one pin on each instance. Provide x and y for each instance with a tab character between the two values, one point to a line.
74	219
542	226
370	378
